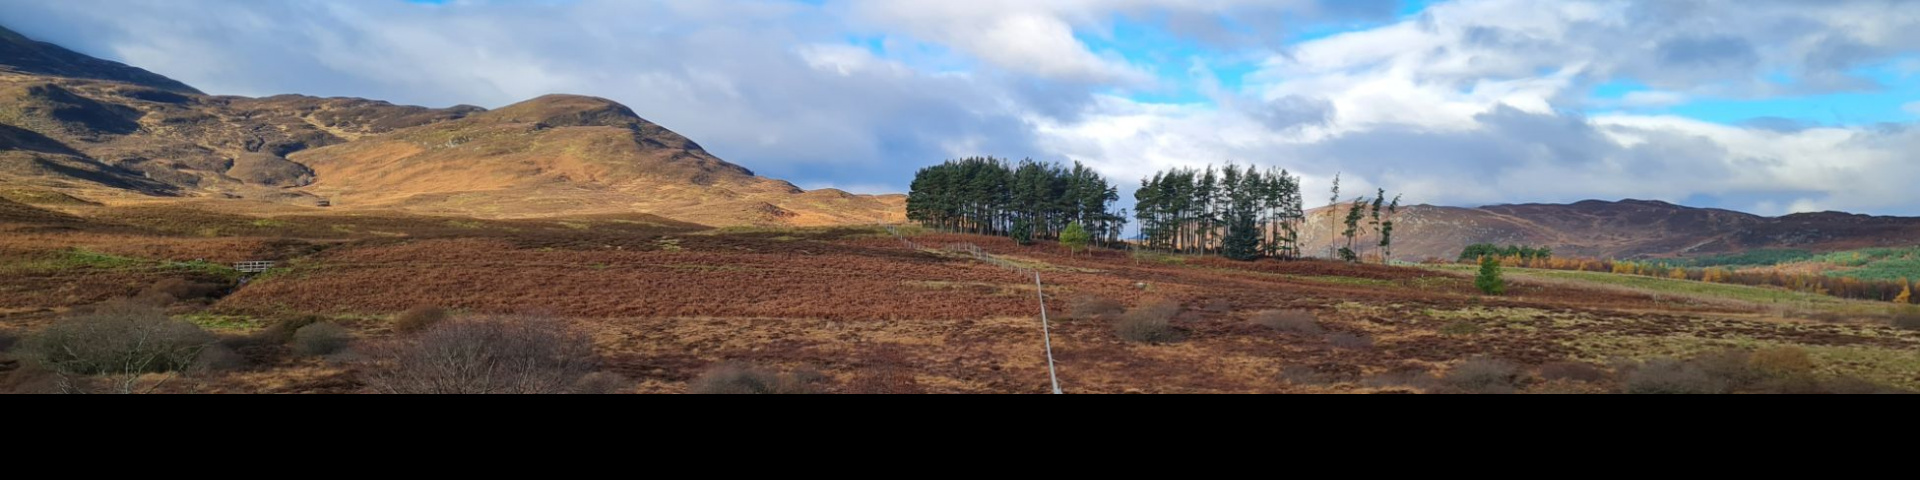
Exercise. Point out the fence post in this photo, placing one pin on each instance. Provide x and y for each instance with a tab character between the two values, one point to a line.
1046	332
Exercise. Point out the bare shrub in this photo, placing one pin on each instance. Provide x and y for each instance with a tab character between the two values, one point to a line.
1089	308
1420	379
282	330
419	319
179	290
217	358
1483	376
1290	321
737	379
120	339
321	339
494	355
1666	376
1732	369
1349	341
1150	323
602	383
1572	372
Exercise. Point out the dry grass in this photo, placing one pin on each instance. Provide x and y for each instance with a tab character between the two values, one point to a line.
1483	376
738	379
1299	322
1094	308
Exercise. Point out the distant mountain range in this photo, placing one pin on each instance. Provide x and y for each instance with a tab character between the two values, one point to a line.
1628	229
109	132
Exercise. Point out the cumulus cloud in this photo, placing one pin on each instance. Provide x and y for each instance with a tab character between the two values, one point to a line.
1467	102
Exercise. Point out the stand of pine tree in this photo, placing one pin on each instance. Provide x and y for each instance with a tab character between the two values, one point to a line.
1030	201
1244	214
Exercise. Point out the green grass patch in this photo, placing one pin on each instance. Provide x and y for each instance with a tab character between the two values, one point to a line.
1745	293
223	323
73	259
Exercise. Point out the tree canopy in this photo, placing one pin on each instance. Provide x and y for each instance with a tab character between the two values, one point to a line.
1028	200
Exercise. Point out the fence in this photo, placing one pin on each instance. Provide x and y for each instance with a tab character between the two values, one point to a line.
1040	290
253	267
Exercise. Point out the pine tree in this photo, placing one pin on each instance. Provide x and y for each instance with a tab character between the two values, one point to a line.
1490	280
1354	216
1333	217
1023	231
1075	238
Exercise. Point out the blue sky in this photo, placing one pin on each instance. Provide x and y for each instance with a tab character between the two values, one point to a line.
1770	106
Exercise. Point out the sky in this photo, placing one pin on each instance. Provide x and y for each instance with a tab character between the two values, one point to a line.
1766	106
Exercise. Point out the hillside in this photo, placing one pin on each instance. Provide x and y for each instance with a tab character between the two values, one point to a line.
1627	229
20	54
108	132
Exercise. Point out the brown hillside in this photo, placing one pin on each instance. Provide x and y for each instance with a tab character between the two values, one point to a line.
567	154
105	131
1624	229
24	55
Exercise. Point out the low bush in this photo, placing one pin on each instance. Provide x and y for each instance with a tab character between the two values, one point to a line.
1572	372
117	338
738	379
1151	323
419	319
1483	376
1303	375
1907	320
218	358
179	290
281	330
494	355
1414	378
321	339
602	383
7	340
1666	376
1090	308
1290	321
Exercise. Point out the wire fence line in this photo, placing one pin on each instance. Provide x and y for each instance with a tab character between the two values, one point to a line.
1040	290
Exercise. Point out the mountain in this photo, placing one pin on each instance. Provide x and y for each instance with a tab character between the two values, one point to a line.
19	54
109	132
1625	229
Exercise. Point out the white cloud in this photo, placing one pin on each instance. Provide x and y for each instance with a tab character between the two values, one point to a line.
1471	102
1913	108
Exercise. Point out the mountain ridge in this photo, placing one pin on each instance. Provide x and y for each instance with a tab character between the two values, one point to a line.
1624	229
95	128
